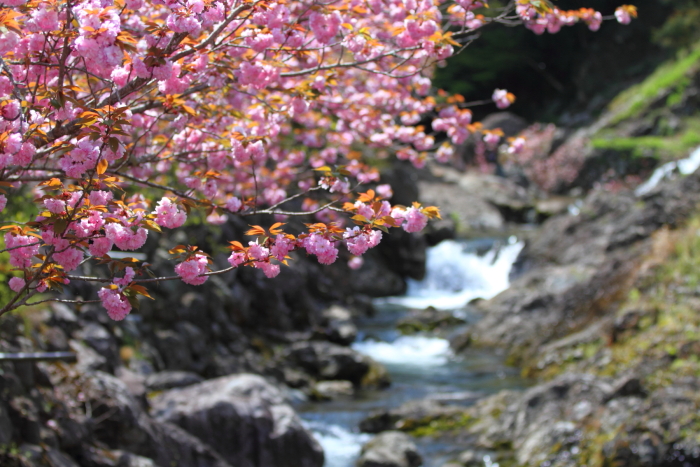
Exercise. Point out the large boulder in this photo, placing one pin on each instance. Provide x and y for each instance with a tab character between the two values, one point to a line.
244	418
118	420
327	361
338	325
390	449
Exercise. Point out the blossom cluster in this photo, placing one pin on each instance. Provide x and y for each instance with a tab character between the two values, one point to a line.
540	17
123	116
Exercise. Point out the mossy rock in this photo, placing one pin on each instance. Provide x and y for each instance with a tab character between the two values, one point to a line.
436	425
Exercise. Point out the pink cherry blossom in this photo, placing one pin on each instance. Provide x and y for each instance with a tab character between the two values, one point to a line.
236	259
217	219
81	159
90	225
623	16
356	241
282	247
384	191
320	246
43	19
234	204
356	263
324	26
21	256
100	246
502	98
270	270
55	206
415	220
595	21
128	277
516	146
191	270
70	258
491	139
125	237
117	305
169	215
257	252
16	284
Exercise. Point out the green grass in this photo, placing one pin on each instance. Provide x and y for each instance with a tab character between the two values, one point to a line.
671	144
662	147
636	99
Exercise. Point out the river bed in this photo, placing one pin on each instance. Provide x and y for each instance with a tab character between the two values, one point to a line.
423	365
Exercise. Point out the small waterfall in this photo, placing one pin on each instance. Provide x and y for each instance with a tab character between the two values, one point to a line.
684	166
457	274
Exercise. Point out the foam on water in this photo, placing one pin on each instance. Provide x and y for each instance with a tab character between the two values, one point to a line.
455	276
407	350
684	166
340	446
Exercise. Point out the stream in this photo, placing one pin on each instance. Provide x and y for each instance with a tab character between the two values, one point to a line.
423	365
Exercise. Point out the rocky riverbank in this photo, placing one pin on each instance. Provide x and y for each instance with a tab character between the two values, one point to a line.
602	308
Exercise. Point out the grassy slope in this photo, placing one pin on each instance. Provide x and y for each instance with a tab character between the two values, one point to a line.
655	101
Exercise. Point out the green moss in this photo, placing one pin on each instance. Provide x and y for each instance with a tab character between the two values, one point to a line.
636	99
437	425
660	147
677	94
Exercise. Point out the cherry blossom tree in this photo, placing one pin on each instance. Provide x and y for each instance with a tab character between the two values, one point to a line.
123	116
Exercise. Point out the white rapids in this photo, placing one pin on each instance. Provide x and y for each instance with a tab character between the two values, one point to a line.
407	350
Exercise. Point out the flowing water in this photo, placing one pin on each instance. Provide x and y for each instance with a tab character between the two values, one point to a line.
683	166
423	365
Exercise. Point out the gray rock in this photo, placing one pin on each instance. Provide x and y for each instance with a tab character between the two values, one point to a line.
171	379
407	416
59	459
31	454
6	431
390	449
502	193
337	313
471	212
328	361
471	458
132	460
339	326
330	390
119	422
100	340
56	339
429	319
88	359
135	382
244	418
172	346
510	123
